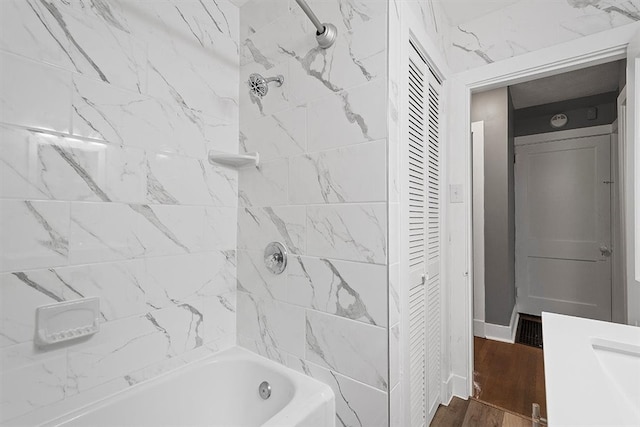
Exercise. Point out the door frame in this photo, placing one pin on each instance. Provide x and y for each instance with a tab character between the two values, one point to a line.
477	208
586	51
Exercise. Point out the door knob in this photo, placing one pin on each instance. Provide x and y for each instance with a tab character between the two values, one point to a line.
605	250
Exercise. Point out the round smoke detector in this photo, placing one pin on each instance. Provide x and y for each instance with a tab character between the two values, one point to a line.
559	120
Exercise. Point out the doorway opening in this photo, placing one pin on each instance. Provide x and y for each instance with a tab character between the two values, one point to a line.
546	221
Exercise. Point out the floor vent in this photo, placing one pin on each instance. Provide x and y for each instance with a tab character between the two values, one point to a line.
529	331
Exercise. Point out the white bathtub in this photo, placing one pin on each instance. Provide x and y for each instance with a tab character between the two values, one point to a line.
218	391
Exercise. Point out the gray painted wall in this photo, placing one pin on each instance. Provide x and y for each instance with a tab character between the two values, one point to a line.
534	120
493	107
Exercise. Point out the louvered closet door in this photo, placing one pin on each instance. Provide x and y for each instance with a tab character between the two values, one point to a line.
434	325
417	207
423	210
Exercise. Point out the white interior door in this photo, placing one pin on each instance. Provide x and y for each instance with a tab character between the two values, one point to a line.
563	227
632	181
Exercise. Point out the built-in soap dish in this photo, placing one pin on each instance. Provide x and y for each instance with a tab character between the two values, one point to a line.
234	160
68	320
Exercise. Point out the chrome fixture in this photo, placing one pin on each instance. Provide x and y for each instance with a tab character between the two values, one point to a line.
258	85
264	389
325	33
275	257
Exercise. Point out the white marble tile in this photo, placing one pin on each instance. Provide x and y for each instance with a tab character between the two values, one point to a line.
163	126
183	326
23	31
332	176
101	232
273	323
258	346
220	318
220	228
128	345
351	348
20	294
259	226
105	112
18	165
177	180
194	81
180	65
358	57
253	277
96	109
255	14
347	15
176	279
272	44
34	95
278	135
119	286
165	366
357	404
222	135
348	289
267	185
107	232
349	232
353	118
222	185
29	381
515	30
100	44
80	170
34	234
169	230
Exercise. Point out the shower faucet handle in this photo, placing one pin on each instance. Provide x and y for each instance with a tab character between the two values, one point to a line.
275	257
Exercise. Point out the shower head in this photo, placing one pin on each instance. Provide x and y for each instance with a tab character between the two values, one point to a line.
258	85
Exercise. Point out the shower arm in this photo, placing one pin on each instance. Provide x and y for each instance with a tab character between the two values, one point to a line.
278	79
325	33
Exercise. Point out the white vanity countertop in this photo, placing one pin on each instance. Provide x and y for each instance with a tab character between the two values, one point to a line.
592	372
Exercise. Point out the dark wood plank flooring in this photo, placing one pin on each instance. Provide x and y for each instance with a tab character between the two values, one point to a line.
509	376
472	413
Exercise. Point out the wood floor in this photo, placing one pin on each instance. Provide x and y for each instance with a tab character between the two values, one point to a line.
472	413
509	376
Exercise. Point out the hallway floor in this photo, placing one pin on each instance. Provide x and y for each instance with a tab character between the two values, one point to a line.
509	376
472	413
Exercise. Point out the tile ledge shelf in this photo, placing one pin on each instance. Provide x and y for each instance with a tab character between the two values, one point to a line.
234	160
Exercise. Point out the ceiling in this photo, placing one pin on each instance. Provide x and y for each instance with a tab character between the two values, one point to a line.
575	84
461	11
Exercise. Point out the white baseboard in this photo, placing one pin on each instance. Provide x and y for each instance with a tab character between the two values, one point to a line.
500	332
478	328
447	390
459	387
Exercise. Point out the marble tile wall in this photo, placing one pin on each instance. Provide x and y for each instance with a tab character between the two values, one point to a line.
529	25
107	110
322	191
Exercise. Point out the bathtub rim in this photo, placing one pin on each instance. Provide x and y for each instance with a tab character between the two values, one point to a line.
66	410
